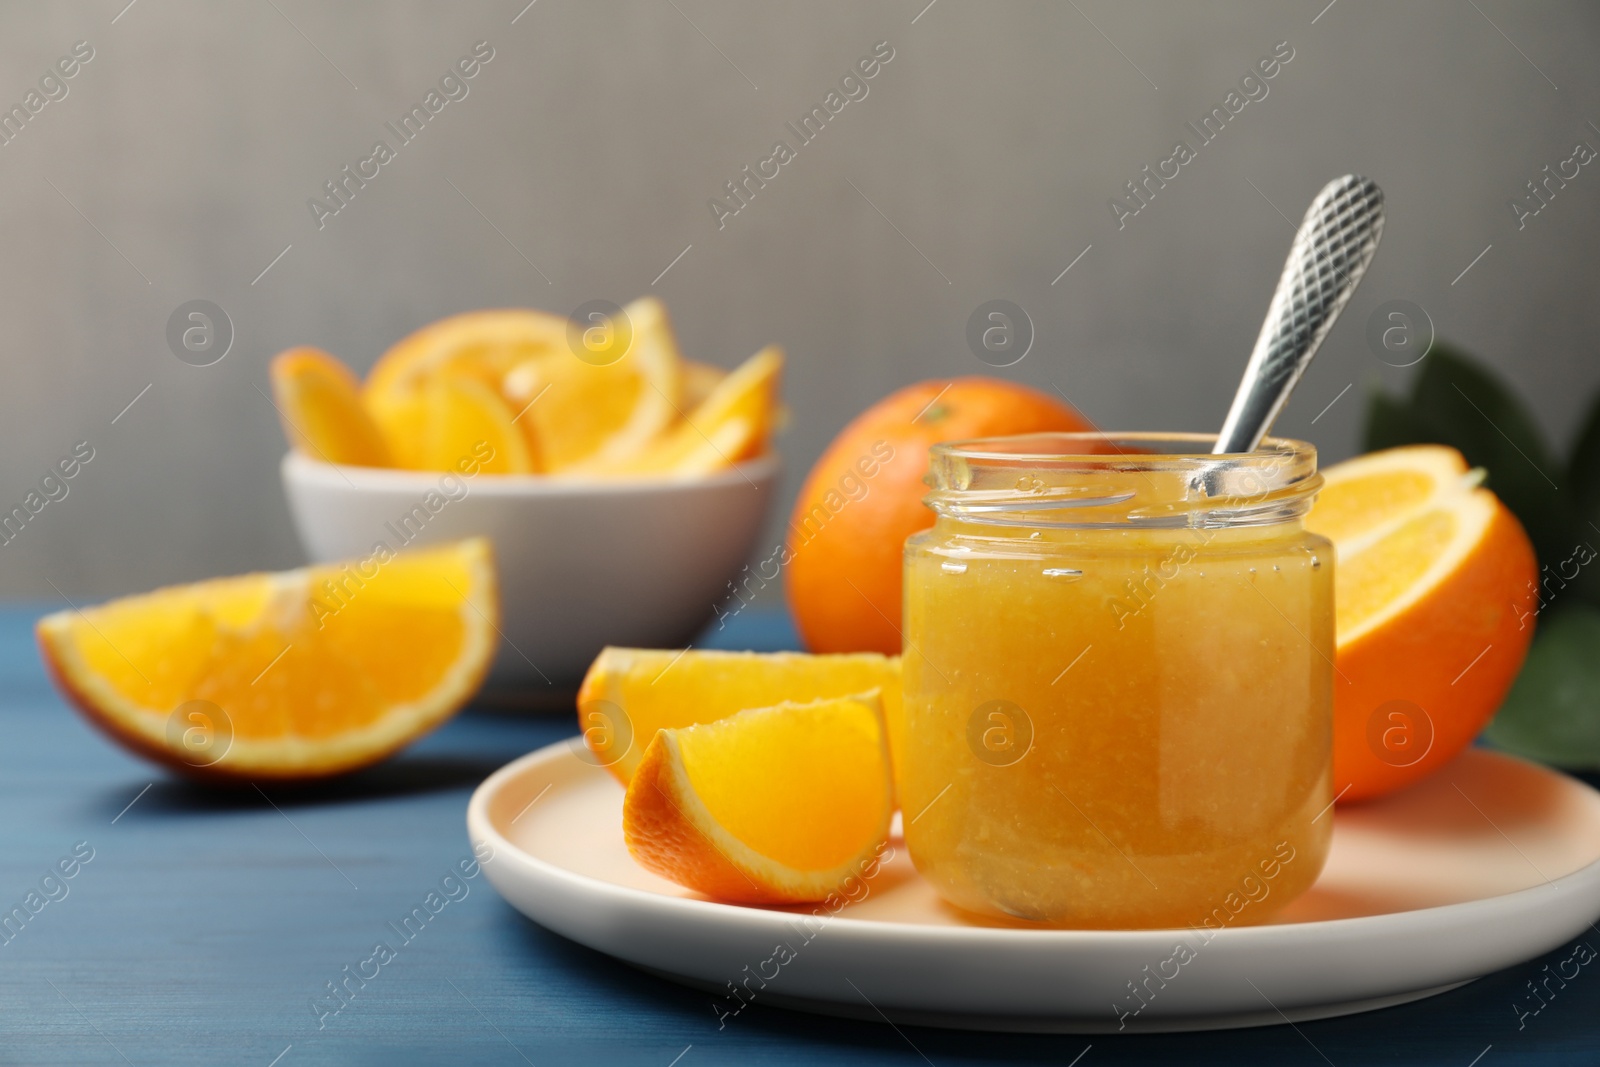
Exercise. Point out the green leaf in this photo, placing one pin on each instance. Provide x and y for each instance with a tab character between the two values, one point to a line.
1583	475
1552	713
1475	412
1583	469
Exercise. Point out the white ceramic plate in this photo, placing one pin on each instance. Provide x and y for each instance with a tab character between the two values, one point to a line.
1490	862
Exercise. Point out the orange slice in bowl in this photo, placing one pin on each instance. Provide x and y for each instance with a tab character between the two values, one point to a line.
607	402
441	423
477	344
1431	586
290	676
778	805
630	694
735	422
319	402
698	381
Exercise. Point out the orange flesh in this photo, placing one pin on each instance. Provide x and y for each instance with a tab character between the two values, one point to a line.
732	423
804	791
354	654
446	422
662	689
583	406
1373	578
1347	509
319	401
776	805
481	344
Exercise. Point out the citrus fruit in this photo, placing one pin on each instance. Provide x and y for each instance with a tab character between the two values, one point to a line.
602	389
606	399
864	498
440	422
1431	570
482	344
319	402
698	381
289	676
733	423
631	693
778	805
538	394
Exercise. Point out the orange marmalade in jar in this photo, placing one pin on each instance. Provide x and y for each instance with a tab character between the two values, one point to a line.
1118	680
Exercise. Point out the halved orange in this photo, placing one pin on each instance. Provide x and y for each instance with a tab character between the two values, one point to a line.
733	423
290	676
319	403
1431	585
778	805
629	694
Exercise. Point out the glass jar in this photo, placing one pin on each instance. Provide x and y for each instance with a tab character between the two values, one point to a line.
1118	680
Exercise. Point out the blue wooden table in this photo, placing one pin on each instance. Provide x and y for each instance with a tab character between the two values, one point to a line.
199	927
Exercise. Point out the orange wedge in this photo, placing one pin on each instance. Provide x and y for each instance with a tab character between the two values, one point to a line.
319	402
289	676
441	388
1430	589
541	394
698	381
631	693
735	422
610	402
778	805
477	344
440	423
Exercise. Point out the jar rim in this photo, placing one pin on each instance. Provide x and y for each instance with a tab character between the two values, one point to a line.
1116	480
1123	450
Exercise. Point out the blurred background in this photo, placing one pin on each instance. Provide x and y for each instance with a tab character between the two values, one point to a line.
177	162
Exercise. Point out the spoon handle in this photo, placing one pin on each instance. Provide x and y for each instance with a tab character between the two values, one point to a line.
1331	252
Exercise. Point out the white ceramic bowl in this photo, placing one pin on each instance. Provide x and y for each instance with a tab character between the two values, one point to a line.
581	565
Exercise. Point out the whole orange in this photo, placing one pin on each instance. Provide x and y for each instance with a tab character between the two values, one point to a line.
864	498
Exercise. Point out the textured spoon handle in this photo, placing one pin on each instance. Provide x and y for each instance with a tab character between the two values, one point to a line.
1330	253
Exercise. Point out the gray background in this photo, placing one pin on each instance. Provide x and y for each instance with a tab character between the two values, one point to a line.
594	139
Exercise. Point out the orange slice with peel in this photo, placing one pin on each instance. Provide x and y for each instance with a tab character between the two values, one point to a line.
629	694
607	402
698	381
735	422
1431	591
476	344
1366	494
440	423
779	805
289	676
319	403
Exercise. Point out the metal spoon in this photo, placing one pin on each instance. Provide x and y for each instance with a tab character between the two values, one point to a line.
1331	252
